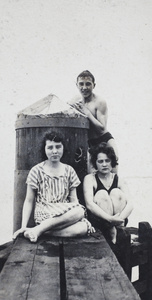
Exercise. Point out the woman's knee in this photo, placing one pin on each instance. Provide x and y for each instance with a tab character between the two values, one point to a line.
103	200
81	228
101	195
117	193
118	200
78	229
117	196
79	212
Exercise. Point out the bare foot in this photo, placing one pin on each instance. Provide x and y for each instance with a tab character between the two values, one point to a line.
32	234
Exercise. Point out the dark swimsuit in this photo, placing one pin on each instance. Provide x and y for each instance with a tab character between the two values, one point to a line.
101	139
100	185
97	222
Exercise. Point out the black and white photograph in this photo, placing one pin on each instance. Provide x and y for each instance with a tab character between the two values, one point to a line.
76	158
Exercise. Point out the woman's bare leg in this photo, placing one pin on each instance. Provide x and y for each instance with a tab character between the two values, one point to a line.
118	200
103	200
77	229
69	218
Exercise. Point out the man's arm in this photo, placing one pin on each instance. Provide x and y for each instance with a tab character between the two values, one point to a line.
102	112
100	120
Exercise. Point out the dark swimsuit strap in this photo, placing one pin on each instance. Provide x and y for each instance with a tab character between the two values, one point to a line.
100	185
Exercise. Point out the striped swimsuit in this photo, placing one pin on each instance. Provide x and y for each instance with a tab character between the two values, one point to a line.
52	192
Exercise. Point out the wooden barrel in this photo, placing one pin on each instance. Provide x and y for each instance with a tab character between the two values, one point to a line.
29	132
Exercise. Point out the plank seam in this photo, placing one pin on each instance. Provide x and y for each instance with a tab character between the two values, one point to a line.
31	273
63	288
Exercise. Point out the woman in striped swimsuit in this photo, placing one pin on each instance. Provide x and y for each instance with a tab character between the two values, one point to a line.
106	195
51	185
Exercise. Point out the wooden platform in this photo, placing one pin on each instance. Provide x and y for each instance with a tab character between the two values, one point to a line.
72	269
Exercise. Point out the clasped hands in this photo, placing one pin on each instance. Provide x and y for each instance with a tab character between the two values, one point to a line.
81	107
116	219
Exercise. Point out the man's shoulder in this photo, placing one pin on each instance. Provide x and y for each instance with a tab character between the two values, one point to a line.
100	103
99	99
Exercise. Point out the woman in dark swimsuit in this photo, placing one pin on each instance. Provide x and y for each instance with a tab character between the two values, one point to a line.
106	195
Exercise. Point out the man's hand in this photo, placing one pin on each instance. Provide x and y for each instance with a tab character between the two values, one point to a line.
81	107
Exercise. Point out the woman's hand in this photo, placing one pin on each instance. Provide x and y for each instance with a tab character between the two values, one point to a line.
116	219
18	232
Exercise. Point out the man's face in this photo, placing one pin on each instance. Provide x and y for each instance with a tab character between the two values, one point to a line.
85	86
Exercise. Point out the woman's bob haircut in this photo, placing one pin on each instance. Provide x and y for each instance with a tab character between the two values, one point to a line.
103	148
50	136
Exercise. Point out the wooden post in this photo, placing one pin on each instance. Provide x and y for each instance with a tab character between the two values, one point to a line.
137	253
145	269
123	250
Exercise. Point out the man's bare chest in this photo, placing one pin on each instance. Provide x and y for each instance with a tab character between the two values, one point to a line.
92	108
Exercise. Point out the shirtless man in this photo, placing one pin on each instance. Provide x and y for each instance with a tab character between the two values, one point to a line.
95	108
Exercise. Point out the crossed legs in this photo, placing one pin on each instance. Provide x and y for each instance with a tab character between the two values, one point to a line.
68	224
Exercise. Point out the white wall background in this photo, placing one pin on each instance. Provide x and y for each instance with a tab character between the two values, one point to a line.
45	44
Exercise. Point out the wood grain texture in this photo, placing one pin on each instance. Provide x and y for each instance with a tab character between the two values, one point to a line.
93	272
65	269
45	281
31	271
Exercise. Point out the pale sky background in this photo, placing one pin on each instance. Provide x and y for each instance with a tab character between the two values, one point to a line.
45	44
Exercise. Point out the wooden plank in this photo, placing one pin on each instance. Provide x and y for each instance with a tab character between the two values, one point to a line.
59	121
140	259
5	250
16	274
137	247
31	272
45	281
93	272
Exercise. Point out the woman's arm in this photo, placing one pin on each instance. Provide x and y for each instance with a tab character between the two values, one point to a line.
129	205
28	205
27	209
92	206
73	196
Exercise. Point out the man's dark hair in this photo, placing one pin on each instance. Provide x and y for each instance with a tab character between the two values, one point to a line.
86	73
103	148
